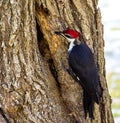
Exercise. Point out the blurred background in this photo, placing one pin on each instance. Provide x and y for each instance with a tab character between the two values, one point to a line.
110	11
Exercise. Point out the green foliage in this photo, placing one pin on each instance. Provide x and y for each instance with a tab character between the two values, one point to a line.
114	89
115	29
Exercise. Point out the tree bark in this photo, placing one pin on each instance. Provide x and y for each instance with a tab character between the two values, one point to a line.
34	84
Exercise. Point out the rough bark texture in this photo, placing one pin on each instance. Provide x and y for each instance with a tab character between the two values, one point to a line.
34	84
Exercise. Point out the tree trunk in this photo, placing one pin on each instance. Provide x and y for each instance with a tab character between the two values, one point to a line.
34	84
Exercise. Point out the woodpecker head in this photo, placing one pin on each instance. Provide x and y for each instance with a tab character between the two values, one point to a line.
70	34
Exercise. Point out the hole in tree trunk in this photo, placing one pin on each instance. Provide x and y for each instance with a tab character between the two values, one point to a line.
45	52
42	43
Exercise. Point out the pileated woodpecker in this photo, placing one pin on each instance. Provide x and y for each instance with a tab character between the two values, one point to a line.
83	69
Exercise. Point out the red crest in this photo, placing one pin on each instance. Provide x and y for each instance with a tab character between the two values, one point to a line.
71	32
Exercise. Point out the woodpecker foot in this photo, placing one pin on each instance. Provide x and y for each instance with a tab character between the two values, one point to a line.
72	114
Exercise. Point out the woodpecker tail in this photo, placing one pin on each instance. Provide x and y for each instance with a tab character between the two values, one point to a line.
88	103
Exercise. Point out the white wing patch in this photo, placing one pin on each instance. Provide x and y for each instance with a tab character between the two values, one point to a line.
78	78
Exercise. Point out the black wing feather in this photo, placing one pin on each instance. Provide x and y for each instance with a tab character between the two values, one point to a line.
82	63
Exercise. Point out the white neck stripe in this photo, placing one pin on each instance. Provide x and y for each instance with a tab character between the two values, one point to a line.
71	45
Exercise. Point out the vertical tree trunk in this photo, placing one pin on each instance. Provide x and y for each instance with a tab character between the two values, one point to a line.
28	92
34	86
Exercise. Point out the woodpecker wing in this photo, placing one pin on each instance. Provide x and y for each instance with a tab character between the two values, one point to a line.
82	63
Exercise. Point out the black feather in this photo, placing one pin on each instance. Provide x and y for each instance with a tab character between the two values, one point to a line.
83	66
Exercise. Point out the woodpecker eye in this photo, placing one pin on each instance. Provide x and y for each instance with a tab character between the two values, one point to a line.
68	36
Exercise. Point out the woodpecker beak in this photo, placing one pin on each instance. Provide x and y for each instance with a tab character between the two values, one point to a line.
58	33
